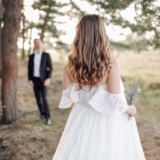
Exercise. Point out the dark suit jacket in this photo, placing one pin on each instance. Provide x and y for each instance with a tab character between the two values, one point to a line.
45	66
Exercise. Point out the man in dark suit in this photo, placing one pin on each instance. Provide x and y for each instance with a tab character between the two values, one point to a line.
39	74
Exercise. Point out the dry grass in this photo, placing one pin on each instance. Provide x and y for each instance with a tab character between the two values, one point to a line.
30	139
143	70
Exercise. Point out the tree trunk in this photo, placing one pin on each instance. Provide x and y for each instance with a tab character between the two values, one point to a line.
1	15
10	34
23	36
44	25
30	38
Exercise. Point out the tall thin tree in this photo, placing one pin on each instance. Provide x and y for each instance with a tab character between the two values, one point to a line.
23	35
10	32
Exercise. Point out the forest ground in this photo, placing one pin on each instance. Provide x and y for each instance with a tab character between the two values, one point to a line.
28	138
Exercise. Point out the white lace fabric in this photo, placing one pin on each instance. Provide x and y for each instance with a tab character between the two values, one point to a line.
107	103
97	127
69	96
102	101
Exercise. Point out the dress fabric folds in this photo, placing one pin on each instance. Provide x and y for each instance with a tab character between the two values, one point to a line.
97	127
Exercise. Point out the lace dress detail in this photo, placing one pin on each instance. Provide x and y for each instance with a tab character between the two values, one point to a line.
69	96
97	127
107	103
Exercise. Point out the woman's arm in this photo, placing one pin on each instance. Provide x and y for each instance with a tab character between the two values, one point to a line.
113	83
113	80
66	80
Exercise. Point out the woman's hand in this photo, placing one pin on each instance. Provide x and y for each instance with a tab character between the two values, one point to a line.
131	111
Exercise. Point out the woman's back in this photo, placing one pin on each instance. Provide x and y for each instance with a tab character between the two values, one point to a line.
97	127
111	77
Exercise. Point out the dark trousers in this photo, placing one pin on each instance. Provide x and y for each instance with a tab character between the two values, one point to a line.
40	92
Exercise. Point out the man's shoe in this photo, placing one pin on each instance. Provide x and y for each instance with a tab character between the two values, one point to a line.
48	122
42	117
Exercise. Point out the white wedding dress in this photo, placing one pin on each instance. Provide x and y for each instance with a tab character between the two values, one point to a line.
97	127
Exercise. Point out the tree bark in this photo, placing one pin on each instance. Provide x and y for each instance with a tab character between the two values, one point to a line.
23	36
1	15
10	34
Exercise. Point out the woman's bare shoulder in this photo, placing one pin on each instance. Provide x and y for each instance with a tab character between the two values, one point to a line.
114	62
67	69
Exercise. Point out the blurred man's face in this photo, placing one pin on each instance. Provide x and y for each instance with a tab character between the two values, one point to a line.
37	44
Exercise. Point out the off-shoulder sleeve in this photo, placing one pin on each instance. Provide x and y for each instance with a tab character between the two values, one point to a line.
69	96
107	103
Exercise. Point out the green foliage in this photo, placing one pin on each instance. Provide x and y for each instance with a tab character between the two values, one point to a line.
49	10
62	46
131	44
48	14
148	17
111	5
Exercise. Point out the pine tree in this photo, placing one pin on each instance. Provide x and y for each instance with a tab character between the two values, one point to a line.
49	11
10	34
148	16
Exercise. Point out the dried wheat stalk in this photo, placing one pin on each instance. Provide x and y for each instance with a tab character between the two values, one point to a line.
132	95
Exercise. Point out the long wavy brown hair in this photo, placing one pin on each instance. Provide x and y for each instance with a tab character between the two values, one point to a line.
89	57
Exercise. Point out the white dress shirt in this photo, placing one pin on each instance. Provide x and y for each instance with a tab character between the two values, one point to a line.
37	62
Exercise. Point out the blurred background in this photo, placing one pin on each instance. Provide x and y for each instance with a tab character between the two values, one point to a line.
133	27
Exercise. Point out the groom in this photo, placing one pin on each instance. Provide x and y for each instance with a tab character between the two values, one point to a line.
39	74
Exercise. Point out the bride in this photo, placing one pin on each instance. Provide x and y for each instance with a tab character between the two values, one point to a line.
97	127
